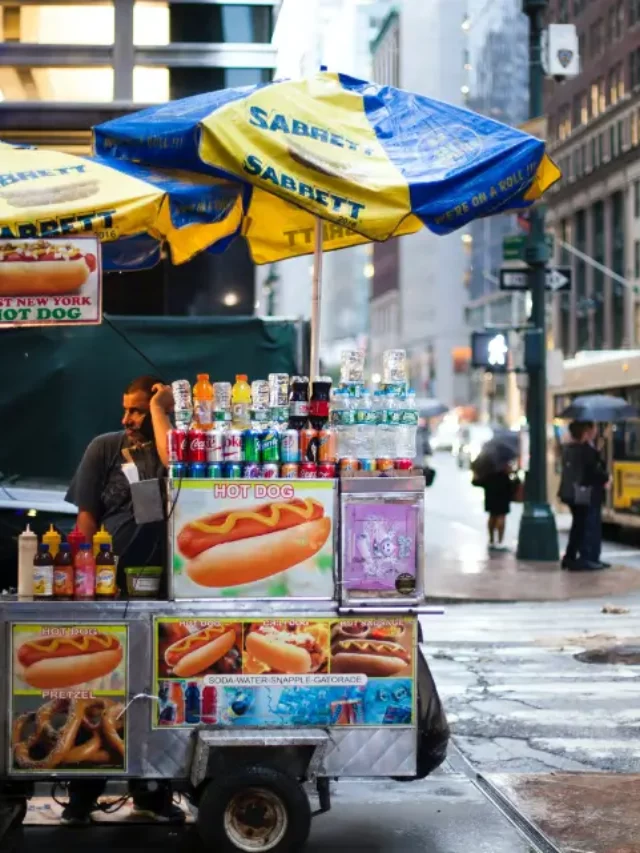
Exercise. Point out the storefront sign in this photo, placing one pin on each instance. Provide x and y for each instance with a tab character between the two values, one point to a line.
55	282
254	539
284	672
68	698
380	547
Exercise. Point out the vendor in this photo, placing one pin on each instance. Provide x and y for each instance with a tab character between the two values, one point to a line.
100	488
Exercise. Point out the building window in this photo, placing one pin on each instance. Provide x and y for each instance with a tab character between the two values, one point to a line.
617	264
595	109
620	16
636	199
612	87
602	95
620	79
636	259
634	68
611	25
598	235
612	142
620	137
594	164
575	117
600	148
634	128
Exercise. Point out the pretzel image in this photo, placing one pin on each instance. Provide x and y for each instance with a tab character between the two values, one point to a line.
90	732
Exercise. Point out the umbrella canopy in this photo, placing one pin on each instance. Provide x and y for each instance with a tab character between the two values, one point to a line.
430	407
374	161
603	408
499	451
47	193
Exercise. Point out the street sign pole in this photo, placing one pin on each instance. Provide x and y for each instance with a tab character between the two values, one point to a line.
538	536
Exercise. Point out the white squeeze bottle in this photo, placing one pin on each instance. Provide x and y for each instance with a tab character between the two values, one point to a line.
27	550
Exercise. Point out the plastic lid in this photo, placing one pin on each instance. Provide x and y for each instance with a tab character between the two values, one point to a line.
104	546
84	546
64	546
241	377
43	547
202	376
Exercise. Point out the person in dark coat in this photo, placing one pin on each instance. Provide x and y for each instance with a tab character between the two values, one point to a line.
584	478
498	493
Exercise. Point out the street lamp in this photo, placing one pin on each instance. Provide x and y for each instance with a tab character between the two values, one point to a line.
538	536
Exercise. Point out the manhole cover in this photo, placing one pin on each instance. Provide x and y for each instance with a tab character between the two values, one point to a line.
629	655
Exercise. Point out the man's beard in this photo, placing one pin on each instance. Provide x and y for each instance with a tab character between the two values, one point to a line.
144	434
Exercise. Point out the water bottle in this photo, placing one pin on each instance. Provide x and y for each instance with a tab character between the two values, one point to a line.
365	428
379	411
340	421
408	427
393	415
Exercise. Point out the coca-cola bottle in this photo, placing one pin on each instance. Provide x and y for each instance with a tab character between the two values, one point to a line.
299	402
320	401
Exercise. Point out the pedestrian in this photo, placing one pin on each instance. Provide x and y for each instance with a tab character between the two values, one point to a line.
498	488
582	483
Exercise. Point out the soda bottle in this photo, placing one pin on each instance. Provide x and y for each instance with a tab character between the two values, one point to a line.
63	573
319	403
101	537
43	573
192	703
241	402
209	715
203	402
53	539
27	550
84	583
299	402
105	573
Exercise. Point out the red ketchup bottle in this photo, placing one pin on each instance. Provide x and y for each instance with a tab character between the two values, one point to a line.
75	540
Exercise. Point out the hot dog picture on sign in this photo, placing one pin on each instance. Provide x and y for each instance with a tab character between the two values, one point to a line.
50	282
286	671
69	694
252	539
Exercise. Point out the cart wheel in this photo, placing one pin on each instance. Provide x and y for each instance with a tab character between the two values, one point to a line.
255	808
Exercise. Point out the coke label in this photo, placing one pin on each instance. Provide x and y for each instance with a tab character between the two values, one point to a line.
214	445
197	446
177	445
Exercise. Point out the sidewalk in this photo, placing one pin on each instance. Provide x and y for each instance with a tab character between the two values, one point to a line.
458	566
501	577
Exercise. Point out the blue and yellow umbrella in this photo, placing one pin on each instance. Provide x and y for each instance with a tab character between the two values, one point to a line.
372	161
46	193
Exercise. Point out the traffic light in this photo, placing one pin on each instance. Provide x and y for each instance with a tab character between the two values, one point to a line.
490	350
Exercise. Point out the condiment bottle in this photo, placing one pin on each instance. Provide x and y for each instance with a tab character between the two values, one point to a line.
53	539
75	539
84	583
43	573
105	573
102	537
27	550
63	574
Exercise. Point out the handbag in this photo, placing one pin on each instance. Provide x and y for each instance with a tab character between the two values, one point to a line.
581	495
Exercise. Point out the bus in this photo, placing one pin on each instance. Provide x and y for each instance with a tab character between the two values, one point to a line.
614	372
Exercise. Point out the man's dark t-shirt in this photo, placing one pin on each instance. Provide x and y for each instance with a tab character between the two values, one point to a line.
100	487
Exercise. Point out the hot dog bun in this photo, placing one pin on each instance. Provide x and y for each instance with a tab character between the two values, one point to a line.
278	655
45	278
369	657
197	652
47	674
253	559
198	536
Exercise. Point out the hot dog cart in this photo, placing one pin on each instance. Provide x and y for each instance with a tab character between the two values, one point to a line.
308	673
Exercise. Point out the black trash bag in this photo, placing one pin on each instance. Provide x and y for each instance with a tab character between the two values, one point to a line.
433	728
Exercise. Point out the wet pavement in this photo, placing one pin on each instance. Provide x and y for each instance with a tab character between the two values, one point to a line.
445	813
460	568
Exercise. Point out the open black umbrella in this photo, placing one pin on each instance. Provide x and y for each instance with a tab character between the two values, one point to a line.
603	408
430	407
499	451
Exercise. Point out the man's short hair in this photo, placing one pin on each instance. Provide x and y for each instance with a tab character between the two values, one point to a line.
143	383
577	429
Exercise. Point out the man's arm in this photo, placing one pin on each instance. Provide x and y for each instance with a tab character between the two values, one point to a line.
160	406
87	524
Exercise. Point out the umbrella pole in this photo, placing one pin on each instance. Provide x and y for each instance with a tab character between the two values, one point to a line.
316	297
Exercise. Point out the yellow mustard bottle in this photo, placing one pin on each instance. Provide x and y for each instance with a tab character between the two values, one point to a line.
101	537
53	539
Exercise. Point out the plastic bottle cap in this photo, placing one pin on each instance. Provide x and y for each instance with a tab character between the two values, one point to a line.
241	377
84	546
105	546
202	376
43	547
64	546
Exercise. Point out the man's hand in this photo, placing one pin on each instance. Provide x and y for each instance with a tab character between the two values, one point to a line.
162	398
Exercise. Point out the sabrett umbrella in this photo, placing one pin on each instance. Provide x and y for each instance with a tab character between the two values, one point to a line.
603	408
